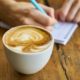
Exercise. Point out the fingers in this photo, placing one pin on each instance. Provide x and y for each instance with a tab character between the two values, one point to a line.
30	21
57	14
77	17
73	10
48	10
65	9
32	16
42	18
49	28
70	11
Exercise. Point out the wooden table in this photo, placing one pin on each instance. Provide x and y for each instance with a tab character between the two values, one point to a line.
64	63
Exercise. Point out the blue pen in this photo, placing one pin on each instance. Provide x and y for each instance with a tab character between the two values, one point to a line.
39	8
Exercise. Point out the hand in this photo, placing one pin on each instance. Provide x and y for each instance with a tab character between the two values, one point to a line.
26	14
70	11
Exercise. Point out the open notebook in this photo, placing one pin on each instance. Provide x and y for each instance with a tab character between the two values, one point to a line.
61	35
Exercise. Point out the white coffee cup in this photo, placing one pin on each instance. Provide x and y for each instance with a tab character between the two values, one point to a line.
28	63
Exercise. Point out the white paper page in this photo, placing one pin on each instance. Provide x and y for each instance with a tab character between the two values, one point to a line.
63	30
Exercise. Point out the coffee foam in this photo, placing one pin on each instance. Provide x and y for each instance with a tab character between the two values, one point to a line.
28	39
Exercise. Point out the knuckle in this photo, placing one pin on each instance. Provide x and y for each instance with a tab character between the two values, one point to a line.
51	9
48	21
25	22
69	18
76	20
30	12
63	13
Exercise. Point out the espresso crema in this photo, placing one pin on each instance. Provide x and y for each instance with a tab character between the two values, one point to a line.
28	39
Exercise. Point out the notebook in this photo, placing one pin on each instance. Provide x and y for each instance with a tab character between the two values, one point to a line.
61	35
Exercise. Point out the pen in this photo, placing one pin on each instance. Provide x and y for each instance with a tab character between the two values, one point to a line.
39	8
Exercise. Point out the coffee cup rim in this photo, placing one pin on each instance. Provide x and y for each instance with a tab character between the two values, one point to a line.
27	53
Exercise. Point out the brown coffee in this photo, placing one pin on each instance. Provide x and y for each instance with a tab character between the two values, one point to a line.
28	39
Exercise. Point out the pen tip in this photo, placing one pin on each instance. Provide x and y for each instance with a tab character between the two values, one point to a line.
55	26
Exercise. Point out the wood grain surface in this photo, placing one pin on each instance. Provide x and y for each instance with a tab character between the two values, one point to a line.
52	71
69	55
64	63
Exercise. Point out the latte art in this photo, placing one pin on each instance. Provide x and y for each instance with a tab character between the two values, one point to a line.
28	39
